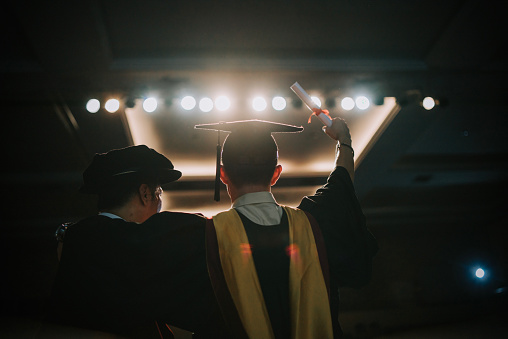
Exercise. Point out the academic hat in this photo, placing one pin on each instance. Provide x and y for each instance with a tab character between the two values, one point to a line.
105	167
249	142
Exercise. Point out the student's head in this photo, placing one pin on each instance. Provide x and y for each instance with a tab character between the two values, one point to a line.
249	154
119	175
249	159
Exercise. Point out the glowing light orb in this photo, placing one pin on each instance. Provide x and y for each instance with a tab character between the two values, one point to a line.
222	103
347	103
188	103
206	105
279	103
362	102
93	105
316	100
428	103
479	273
150	105
259	104
112	105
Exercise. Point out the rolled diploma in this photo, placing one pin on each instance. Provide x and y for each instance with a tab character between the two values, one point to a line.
325	119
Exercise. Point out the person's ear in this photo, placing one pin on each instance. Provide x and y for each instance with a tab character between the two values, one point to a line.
145	194
276	175
223	176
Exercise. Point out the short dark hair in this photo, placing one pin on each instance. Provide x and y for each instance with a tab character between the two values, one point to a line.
243	175
117	192
249	160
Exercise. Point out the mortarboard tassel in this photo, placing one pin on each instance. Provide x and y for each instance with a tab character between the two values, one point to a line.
216	196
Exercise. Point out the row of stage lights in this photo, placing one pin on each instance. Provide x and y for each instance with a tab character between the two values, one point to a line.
223	103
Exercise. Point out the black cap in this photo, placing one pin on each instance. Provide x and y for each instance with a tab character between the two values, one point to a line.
105	167
249	143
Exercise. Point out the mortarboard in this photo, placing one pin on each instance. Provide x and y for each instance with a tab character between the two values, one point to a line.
249	143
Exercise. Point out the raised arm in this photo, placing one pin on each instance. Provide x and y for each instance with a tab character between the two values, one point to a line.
339	131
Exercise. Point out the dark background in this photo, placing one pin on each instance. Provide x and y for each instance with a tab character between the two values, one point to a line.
433	184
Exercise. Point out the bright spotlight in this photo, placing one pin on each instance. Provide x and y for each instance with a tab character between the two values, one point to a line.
206	105
150	105
316	100
93	105
362	102
112	105
347	103
279	103
479	273
428	103
222	103
259	104
188	103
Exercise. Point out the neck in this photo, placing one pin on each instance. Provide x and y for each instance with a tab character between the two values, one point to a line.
128	212
236	192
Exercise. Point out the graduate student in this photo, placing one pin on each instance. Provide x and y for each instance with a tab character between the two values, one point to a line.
275	269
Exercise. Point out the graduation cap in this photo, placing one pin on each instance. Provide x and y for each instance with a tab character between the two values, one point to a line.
249	144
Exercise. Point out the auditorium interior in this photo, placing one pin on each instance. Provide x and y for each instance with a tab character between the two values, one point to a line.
425	81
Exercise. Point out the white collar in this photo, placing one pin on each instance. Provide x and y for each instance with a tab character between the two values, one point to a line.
110	215
254	198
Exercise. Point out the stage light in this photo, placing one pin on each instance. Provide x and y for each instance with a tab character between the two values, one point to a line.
222	103
112	105
316	100
347	103
479	273
259	104
150	104
362	102
188	103
279	103
93	105
206	105
428	103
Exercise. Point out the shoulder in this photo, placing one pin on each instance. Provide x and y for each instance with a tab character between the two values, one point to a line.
89	223
177	217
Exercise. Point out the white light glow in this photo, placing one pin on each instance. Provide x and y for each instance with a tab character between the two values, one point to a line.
93	105
259	104
206	104
279	103
316	100
222	103
112	105
362	102
150	104
428	103
479	273
188	103
347	103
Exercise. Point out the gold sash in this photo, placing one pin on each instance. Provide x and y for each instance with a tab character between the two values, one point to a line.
310	309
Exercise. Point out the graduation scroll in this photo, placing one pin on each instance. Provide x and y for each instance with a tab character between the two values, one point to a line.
322	114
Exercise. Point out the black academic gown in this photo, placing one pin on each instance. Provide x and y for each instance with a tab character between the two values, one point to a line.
117	276
121	277
350	246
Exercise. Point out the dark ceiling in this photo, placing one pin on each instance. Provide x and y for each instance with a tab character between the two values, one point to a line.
433	184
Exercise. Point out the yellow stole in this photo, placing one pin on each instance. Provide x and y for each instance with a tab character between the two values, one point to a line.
309	303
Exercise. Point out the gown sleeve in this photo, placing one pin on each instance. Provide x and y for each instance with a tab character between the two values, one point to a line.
349	244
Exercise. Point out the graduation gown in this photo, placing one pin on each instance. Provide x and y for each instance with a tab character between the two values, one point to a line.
114	273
